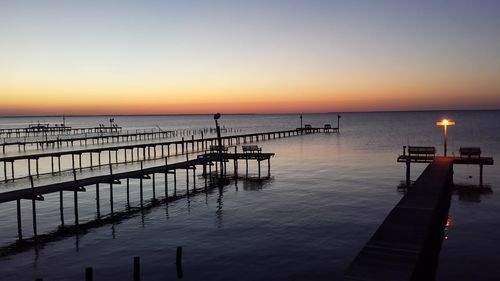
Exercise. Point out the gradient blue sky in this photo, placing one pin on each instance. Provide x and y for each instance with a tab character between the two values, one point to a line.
90	57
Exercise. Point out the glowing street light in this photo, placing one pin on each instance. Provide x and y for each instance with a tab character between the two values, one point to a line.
445	123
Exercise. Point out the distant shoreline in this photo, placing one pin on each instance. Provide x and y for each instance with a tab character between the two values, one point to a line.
203	114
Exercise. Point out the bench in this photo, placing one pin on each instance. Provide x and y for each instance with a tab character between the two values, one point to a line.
251	149
307	126
422	150
470	152
215	148
328	126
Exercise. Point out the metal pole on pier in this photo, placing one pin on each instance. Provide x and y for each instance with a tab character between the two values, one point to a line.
219	140
445	123
338	122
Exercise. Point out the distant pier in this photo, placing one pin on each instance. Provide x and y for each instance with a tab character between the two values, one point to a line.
140	152
134	152
47	129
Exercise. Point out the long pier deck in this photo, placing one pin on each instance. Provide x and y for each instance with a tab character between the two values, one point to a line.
54	130
136	152
85	139
36	188
407	244
76	185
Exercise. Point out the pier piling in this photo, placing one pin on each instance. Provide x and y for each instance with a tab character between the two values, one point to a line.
178	262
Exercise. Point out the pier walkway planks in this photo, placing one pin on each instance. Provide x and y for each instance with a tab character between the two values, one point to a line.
71	185
406	245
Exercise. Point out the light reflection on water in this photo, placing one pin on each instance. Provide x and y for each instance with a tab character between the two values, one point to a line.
327	196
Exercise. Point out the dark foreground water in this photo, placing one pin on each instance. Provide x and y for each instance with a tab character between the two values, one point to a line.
327	195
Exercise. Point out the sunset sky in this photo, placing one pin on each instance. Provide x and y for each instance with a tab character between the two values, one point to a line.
154	57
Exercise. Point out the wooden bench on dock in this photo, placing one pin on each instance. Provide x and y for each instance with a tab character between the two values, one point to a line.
422	151
251	149
470	152
215	148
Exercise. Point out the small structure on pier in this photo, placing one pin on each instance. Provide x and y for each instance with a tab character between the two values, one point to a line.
427	154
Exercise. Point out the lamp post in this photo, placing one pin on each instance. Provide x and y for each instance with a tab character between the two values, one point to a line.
445	123
219	140
301	121
338	122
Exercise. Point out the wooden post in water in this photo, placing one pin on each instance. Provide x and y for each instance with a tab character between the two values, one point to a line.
33	206
79	161
408	181
61	207
19	222
154	186
128	194
137	269
166	180
111	189
187	175
269	167
258	161
52	164
98	201
89	274
246	167
75	198
481	175
5	171
140	185
175	183
178	262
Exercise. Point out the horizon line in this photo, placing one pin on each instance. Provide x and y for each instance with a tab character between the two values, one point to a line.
243	113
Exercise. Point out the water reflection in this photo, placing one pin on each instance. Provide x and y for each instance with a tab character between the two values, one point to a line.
471	193
219	211
257	184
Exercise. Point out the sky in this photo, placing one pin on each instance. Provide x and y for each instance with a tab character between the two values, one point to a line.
258	56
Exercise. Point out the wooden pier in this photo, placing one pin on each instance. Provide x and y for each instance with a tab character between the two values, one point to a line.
46	129
134	152
206	161
140	152
423	154
86	139
212	161
46	142
407	244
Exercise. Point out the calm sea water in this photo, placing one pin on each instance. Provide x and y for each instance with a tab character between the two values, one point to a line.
327	195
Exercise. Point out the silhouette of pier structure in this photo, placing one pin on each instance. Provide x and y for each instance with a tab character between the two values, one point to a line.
327	128
76	185
425	154
35	189
131	152
94	138
407	244
48	129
